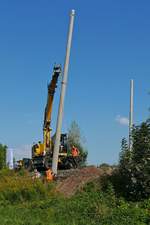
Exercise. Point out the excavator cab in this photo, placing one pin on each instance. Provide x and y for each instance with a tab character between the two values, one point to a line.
63	144
38	149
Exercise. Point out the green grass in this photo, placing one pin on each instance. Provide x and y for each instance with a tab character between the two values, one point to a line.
24	202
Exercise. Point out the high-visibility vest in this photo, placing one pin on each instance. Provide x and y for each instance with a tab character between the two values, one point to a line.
49	175
74	151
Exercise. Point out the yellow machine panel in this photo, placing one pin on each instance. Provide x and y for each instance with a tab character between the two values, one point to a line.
38	149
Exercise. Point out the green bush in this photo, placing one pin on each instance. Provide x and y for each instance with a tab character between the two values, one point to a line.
93	206
3	149
134	166
16	187
27	202
90	206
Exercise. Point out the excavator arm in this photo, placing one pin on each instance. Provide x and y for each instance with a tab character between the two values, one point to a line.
48	109
39	149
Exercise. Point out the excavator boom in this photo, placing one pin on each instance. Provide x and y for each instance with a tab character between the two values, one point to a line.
40	149
51	91
48	109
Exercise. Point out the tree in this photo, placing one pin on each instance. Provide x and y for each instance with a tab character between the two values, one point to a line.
124	172
134	166
125	154
75	138
3	149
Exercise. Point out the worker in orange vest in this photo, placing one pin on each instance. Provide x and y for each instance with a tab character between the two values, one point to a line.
36	174
49	175
74	151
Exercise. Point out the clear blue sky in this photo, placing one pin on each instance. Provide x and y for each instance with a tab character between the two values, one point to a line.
111	45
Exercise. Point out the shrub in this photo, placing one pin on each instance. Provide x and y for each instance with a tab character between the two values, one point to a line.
134	166
16	187
3	149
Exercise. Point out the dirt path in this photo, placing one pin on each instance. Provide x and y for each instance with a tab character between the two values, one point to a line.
77	179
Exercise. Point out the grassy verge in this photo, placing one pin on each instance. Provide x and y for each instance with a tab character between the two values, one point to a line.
24	202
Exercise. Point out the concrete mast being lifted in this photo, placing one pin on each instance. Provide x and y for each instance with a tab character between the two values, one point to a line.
62	95
131	114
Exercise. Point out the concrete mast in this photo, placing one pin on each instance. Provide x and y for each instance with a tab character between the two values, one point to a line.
131	114
62	95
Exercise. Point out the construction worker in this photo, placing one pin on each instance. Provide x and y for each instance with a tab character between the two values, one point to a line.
49	175
36	174
74	151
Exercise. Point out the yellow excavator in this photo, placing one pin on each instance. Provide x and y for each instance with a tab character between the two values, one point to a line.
42	153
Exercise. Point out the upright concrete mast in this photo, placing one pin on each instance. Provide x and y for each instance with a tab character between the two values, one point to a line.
131	115
62	95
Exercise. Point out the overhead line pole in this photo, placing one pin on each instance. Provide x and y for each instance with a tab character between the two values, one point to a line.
62	95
